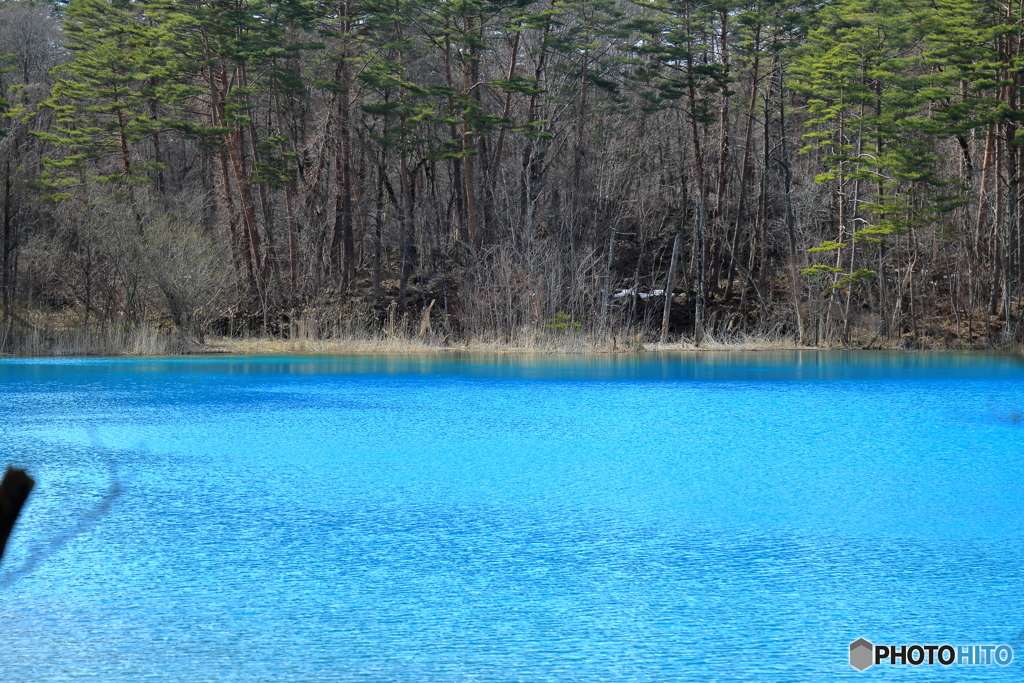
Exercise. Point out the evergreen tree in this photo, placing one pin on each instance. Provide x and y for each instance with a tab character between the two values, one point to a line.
101	99
869	96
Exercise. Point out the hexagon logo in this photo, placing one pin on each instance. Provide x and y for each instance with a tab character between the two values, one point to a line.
861	654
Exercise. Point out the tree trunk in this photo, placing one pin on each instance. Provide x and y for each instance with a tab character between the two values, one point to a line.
790	218
5	249
670	282
343	256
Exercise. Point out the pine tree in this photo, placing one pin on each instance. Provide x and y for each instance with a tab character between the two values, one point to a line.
101	98
674	62
868	95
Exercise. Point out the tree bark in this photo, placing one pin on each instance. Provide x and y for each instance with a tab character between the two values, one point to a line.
670	282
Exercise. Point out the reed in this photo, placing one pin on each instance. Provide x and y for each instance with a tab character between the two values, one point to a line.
303	340
54	337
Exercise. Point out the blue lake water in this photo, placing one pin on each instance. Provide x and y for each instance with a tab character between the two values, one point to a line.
449	518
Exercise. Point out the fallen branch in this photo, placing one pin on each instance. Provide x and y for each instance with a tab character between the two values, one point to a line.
14	490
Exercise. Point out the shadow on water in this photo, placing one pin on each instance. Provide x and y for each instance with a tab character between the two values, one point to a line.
693	366
40	553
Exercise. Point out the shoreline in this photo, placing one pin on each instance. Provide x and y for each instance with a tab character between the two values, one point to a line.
571	346
357	346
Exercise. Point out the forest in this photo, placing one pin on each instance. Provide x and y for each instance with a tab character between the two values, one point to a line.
841	173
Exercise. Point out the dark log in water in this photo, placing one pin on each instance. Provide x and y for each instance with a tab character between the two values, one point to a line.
14	490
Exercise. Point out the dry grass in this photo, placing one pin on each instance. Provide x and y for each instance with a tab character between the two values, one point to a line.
744	342
51	336
525	341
